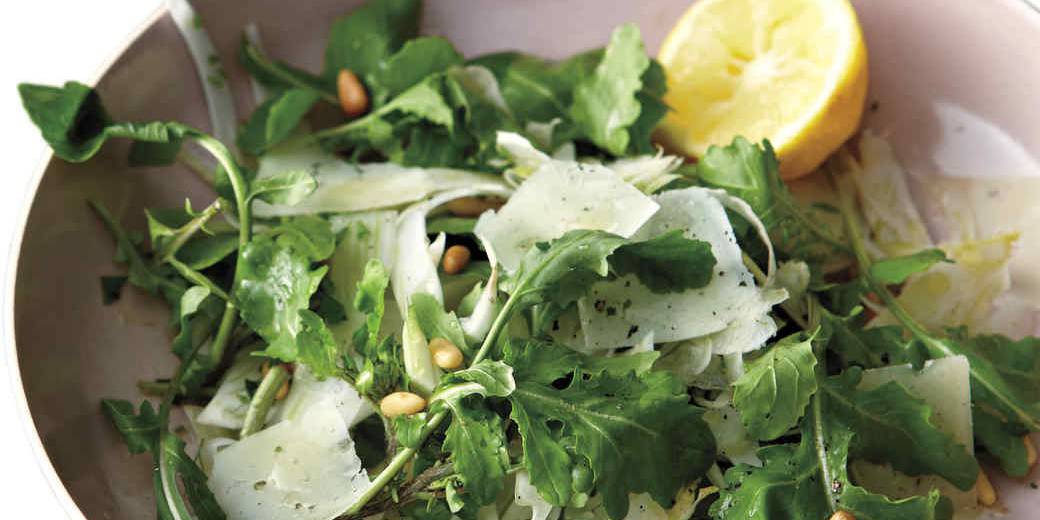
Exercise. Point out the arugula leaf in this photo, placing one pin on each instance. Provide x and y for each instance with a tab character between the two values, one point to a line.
774	392
545	363
275	119
286	188
1002	440
282	77
370	300
872	347
140	431
193	480
315	346
435	322
196	312
665	442
383	370
894	426
408	429
309	235
485	378
561	271
476	442
363	39
416	60
896	270
666	263
205	251
605	103
811	480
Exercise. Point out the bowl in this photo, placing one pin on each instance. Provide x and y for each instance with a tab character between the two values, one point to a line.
953	86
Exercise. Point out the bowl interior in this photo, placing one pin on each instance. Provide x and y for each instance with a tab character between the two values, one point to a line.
952	86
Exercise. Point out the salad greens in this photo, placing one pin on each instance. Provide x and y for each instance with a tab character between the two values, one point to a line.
617	325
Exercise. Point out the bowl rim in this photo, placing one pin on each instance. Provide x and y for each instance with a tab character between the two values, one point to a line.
10	273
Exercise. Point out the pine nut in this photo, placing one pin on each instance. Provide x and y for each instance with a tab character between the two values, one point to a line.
283	391
445	354
472	206
401	403
456	258
352	96
987	496
842	515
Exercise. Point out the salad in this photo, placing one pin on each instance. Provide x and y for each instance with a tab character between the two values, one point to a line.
485	291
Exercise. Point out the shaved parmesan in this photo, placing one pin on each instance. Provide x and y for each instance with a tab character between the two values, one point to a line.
945	386
348	187
308	391
617	312
558	197
305	468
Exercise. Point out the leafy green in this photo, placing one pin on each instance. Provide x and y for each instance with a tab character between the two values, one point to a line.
275	119
894	426
811	480
636	432
363	39
281	77
206	251
435	322
870	347
776	388
315	346
75	124
896	270
605	102
191	477
417	59
1002	440
286	188
666	263
562	270
544	363
139	430
383	370
477	443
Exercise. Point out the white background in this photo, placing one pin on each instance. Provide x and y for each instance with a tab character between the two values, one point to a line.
42	41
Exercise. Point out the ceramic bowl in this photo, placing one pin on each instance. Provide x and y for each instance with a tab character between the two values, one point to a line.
953	86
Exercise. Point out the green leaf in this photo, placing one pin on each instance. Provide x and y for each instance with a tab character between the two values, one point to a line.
667	263
408	429
308	235
435	322
872	347
742	169
637	434
561	271
275	119
1002	440
896	270
140	431
280	77
363	39
544	363
605	103
205	251
451	225
286	188
75	124
191	478
810	480
894	426
111	288
776	388
486	379
370	300
315	346
416	60
476	442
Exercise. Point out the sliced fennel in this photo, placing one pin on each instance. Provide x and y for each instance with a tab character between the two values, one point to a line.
346	187
362	237
558	197
731	437
228	407
617	312
305	468
944	385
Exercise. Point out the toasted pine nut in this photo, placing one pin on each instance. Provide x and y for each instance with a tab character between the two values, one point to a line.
283	391
842	515
352	96
987	496
445	354
1030	451
401	403
456	258
472	206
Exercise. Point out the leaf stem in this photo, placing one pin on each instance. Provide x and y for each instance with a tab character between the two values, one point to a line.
256	414
124	244
199	279
184	233
496	327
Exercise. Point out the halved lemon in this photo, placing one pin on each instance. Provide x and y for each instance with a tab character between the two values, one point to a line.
791	71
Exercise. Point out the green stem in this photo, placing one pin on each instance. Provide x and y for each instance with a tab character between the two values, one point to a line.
256	414
123	242
279	72
198	279
496	327
819	438
188	230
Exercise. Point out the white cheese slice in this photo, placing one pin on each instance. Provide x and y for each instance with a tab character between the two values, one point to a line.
559	197
617	312
307	391
301	469
945	385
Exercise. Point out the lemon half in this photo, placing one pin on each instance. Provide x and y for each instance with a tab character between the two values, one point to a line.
791	71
